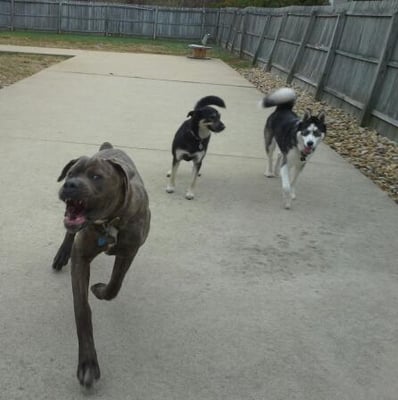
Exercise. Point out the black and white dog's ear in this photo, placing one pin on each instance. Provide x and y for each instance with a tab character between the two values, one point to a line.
321	116
307	114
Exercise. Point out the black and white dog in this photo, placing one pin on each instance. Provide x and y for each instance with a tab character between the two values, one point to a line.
296	139
192	139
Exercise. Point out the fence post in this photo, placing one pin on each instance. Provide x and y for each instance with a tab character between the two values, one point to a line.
12	12
217	31
242	35
300	50
106	27
59	16
155	23
230	29
268	65
337	33
202	28
385	55
261	40
236	31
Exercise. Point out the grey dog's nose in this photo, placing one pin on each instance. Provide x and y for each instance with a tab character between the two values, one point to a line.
71	184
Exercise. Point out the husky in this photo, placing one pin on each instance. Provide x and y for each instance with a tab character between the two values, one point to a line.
192	139
296	139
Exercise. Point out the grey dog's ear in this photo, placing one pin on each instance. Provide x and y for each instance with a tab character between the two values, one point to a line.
67	167
127	173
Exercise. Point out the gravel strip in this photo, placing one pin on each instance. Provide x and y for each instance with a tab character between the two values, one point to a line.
374	155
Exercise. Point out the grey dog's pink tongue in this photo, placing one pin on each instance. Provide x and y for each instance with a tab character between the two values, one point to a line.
307	150
77	220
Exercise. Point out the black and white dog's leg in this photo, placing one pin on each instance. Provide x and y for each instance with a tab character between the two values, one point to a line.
172	174
189	195
286	187
278	164
294	175
269	149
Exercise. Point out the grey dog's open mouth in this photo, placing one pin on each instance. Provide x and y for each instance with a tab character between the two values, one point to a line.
75	214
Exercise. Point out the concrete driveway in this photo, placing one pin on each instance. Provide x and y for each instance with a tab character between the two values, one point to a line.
232	297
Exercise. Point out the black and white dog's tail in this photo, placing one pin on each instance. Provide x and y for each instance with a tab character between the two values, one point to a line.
210	101
283	98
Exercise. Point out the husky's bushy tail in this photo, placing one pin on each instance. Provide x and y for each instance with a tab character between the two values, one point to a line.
210	101
283	98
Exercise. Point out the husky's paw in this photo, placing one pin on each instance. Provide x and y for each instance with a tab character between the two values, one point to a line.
168	174
269	174
170	189
287	201
189	195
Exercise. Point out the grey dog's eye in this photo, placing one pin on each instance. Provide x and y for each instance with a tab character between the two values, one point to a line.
95	177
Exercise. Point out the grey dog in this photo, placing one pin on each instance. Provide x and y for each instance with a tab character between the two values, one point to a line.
106	211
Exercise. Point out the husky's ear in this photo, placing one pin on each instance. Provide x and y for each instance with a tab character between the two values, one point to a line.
190	114
307	114
321	116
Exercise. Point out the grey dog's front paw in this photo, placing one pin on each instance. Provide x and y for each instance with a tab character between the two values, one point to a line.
104	292
88	371
99	291
61	258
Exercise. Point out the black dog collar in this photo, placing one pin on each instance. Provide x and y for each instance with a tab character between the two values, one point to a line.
198	139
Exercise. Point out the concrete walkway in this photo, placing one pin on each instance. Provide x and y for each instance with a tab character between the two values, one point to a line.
232	297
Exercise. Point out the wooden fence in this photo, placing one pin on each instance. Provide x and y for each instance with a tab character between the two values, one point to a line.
108	18
346	55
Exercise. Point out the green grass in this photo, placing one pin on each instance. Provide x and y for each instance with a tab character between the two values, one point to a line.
114	43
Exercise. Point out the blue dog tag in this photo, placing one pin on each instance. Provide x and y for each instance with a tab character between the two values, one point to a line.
102	241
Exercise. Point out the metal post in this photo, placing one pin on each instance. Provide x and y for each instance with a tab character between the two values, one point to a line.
106	21
12	13
218	27
202	28
60	6
155	23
